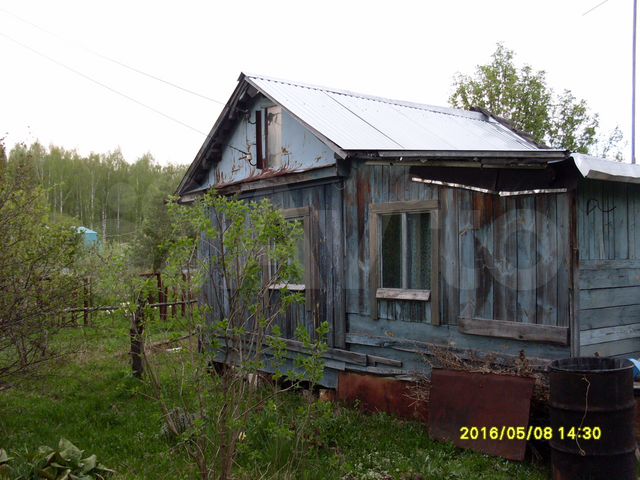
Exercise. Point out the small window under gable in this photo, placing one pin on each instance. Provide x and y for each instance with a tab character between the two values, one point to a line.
269	138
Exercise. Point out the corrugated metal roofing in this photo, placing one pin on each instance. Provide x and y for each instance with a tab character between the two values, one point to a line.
354	121
603	169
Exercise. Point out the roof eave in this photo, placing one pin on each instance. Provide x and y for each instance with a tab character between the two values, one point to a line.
418	157
595	168
226	112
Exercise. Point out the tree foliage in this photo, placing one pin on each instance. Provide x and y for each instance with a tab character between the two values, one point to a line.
522	96
37	277
100	191
239	256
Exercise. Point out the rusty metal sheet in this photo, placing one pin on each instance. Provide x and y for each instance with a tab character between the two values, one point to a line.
465	399
378	394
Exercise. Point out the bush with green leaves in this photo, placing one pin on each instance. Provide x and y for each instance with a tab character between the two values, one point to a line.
67	462
37	276
246	251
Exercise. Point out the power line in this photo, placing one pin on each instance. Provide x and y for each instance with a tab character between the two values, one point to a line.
593	8
114	60
103	85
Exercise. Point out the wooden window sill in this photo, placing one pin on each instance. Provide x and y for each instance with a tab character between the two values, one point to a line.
403	294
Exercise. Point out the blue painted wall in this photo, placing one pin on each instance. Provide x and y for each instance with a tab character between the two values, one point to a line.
609	239
301	149
89	237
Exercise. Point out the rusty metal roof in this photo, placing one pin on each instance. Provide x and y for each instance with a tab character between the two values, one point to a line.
354	121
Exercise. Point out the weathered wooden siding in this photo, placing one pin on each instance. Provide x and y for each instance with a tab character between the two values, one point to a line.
300	148
327	297
609	242
501	258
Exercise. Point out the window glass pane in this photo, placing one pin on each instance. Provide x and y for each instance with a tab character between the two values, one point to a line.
298	255
391	251
418	251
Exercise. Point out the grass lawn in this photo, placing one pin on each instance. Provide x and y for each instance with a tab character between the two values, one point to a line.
90	398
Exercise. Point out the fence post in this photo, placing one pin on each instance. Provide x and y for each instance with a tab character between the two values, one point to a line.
162	298
183	296
173	303
86	303
137	339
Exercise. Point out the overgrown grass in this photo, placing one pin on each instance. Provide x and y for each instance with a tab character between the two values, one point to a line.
91	398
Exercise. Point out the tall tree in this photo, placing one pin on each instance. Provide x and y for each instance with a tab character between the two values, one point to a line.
102	191
521	96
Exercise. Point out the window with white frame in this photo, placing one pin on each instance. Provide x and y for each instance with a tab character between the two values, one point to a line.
404	253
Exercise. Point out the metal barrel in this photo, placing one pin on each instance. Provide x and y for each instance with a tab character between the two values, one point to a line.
592	411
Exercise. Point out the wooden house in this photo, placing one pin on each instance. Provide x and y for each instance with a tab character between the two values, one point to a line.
433	226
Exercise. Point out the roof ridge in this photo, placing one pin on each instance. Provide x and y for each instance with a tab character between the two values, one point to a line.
471	115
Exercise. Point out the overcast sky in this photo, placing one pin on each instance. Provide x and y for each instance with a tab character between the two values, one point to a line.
408	50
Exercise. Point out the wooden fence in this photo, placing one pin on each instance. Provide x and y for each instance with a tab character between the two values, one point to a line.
167	300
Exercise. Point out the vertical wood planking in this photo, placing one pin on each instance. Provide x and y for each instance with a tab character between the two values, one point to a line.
434	307
372	263
504	259
511	274
620	222
608	209
597	206
326	270
449	265
563	235
583	237
313	199
634	195
396	183
414	189
365	177
526	221
350	222
607	220
466	254
546	260
335	228
631	220
574	276
593	220
483	253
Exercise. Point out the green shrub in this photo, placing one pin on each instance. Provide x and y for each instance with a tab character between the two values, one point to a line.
66	463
